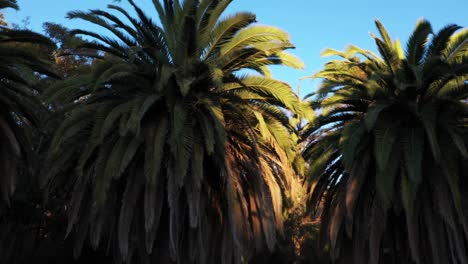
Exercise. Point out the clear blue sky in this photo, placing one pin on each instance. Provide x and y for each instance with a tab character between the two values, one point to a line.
312	24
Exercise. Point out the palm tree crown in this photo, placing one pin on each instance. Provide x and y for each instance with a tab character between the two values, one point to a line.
390	150
18	100
172	148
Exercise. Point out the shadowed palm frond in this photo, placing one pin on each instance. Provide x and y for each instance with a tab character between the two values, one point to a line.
19	104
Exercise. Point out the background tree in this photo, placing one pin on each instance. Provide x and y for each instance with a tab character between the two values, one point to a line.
176	151
388	149
67	65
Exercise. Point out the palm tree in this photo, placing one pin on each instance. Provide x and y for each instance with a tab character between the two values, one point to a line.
177	146
19	105
21	71
388	151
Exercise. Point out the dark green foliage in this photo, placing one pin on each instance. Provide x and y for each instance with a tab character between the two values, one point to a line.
168	141
388	150
19	104
169	152
21	113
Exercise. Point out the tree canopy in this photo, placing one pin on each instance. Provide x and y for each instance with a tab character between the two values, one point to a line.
388	150
163	137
